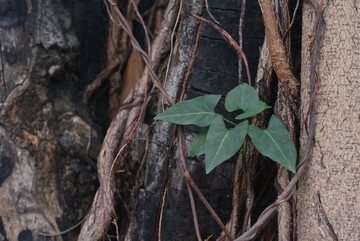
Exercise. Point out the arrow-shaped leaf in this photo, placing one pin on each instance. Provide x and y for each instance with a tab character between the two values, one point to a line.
245	98
222	143
198	144
275	143
198	111
254	109
240	97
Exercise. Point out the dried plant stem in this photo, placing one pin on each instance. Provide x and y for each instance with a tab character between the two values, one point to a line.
102	208
181	140
230	40
277	50
241	30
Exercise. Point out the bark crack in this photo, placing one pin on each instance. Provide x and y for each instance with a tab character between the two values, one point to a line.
323	218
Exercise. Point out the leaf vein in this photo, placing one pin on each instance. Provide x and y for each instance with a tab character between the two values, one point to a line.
267	133
221	144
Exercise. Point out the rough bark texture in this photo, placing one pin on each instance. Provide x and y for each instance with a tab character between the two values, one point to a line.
47	140
329	192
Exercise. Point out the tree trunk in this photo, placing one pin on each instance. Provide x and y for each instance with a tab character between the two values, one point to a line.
329	191
61	105
48	142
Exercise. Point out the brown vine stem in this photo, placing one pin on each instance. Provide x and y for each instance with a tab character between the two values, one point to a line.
171	50
181	140
193	210
209	12
292	20
283	110
118	18
308	147
241	31
314	47
189	180
148	46
207	205
230	40
102	210
147	37
191	62
277	50
181	133
65	231
268	213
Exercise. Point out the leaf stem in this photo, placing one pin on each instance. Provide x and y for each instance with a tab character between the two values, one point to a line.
229	121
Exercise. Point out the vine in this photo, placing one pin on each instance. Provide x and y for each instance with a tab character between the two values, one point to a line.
220	143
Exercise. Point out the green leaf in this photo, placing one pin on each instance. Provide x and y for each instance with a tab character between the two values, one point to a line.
255	109
198	144
222	143
240	97
198	111
275	143
245	98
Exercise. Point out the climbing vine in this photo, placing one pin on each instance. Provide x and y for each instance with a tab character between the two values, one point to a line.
220	143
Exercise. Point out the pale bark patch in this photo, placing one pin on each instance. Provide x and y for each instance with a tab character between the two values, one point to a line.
333	170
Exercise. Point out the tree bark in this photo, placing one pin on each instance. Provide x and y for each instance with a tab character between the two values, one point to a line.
50	51
329	191
48	142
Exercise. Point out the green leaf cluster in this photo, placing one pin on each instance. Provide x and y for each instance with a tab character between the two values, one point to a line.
220	143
